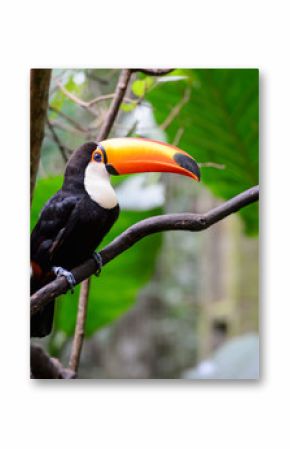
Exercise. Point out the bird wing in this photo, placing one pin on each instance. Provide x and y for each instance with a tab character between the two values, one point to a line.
56	221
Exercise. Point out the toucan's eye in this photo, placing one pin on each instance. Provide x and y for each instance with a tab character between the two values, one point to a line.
98	157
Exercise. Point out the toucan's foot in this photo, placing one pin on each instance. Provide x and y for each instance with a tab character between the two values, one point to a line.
99	262
59	271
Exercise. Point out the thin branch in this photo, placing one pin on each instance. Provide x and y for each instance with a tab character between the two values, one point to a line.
153	72
212	165
44	367
133	128
116	103
55	137
178	136
71	96
88	104
73	122
85	287
101	98
76	100
172	222
80	326
49	137
64	127
176	110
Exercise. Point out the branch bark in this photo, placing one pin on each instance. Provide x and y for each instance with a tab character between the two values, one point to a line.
77	100
39	87
176	110
73	122
44	367
153	72
80	326
116	103
172	222
85	287
62	148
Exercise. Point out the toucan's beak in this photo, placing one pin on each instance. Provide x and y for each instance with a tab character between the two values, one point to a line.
136	155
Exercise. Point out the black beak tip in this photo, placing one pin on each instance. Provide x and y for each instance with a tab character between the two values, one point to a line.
111	170
188	163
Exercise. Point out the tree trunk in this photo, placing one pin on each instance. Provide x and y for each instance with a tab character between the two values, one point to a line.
39	88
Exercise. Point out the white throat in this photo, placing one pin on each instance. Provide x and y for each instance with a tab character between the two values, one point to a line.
98	186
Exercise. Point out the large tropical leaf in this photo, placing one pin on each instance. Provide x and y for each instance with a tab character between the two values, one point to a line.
215	113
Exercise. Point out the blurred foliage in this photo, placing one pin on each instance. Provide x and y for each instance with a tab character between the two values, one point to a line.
217	122
211	113
116	289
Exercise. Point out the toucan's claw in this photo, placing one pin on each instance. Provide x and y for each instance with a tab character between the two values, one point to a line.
59	271
99	262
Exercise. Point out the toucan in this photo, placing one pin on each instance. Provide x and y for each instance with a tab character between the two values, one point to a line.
75	220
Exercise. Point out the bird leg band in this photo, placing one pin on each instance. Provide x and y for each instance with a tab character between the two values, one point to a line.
59	271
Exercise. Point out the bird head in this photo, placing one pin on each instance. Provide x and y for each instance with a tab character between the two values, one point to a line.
137	155
90	167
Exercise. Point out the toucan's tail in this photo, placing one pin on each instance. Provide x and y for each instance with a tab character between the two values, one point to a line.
41	322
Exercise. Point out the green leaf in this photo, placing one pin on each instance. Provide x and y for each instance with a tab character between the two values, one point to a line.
128	107
141	86
57	101
220	124
72	86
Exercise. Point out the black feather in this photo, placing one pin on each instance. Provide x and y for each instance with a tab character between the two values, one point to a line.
70	228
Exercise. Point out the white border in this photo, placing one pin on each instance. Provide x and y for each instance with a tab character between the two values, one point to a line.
145	414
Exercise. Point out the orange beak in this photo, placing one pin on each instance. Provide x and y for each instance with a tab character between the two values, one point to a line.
137	155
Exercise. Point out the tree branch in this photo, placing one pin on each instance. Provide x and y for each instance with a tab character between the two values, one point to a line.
153	72
56	139
172	222
176	110
73	122
85	287
87	104
80	326
77	100
39	87
212	165
44	367
116	103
